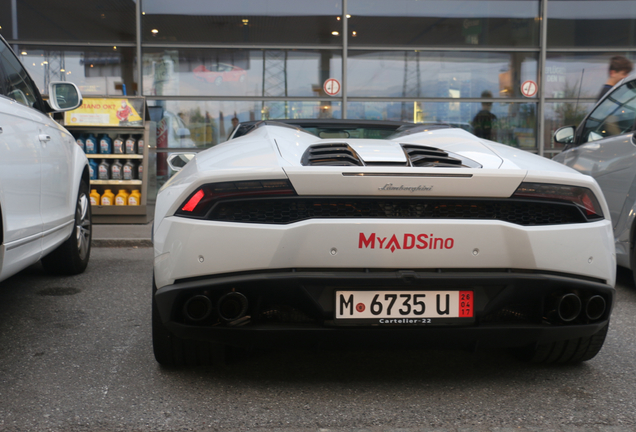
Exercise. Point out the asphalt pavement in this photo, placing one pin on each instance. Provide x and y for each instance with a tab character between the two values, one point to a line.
76	355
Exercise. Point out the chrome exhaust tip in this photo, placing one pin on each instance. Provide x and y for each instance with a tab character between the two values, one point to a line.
232	306
595	307
197	308
569	307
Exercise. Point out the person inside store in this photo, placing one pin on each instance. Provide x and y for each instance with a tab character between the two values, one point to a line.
485	121
235	123
619	68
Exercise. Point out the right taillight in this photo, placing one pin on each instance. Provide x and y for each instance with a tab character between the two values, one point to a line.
580	196
199	203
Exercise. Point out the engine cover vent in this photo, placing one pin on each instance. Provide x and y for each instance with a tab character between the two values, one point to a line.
331	154
424	156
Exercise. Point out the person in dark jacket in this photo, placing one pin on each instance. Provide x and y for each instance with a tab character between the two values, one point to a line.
484	122
619	68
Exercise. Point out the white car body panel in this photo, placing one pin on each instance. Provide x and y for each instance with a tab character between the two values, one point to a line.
196	248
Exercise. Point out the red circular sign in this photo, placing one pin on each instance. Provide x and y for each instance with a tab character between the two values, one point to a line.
331	87
360	307
529	88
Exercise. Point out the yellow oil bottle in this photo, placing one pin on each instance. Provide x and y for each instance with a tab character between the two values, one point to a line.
108	198
95	197
135	197
122	197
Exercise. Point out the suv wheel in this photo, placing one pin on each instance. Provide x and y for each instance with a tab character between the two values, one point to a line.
71	257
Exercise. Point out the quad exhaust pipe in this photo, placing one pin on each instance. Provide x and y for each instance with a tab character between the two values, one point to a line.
569	306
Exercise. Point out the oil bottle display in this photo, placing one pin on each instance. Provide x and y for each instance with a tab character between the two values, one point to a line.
118	160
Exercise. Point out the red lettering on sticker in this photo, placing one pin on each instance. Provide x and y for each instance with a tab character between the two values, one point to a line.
364	241
393	244
408	241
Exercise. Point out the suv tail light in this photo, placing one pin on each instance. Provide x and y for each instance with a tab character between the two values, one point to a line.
580	196
201	201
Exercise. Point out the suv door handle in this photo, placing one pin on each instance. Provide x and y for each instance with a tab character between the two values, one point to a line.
44	137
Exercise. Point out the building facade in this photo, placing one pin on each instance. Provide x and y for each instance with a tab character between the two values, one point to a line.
534	65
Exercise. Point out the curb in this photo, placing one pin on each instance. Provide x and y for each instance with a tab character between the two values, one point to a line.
116	242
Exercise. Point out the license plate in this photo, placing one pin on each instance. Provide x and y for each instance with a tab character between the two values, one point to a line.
404	307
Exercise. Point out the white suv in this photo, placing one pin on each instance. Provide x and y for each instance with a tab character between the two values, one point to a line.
44	207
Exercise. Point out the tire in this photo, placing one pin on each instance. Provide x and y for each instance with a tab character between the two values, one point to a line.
565	352
72	256
173	351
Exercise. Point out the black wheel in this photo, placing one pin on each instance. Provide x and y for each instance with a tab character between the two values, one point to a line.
174	351
71	257
565	352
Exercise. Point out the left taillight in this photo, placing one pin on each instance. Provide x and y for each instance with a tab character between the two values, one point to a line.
580	196
199	203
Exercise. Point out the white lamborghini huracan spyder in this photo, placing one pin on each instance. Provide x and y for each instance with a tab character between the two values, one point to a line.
427	237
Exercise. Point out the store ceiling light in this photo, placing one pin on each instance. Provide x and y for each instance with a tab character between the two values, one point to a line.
23	53
335	33
154	31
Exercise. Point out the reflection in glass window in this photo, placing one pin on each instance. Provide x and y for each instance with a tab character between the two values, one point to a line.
96	71
236	72
513	123
245	21
75	21
17	85
595	23
614	116
444	23
561	114
439	74
202	124
564	71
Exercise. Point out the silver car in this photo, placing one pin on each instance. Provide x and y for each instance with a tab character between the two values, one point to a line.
604	147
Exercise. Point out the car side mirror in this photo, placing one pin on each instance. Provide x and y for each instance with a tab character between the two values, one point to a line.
176	161
64	96
564	135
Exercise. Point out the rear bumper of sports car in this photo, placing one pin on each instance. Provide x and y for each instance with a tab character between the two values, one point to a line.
286	278
297	307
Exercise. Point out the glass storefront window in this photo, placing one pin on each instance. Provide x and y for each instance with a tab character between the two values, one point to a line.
564	71
70	21
96	71
559	114
443	23
439	74
593	23
514	124
237	72
298	22
202	124
191	126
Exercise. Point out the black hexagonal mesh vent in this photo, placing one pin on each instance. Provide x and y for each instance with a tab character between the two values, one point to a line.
294	209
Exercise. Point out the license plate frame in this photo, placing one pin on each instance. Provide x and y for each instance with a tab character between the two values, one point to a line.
404	307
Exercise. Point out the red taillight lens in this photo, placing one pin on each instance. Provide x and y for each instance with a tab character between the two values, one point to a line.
192	202
582	197
203	199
